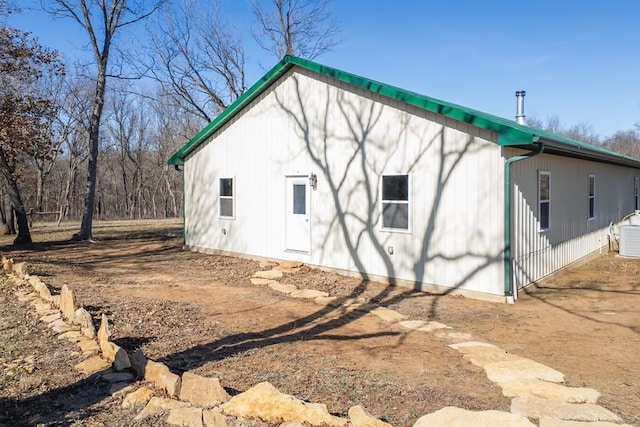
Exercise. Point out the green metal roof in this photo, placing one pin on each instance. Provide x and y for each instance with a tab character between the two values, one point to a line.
509	132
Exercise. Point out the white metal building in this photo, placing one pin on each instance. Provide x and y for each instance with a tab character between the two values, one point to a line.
339	171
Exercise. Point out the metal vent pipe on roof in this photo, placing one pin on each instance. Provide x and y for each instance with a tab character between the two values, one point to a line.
520	107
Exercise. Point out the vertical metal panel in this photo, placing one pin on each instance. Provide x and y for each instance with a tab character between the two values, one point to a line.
572	234
349	137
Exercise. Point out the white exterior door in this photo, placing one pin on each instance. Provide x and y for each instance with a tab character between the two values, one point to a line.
298	224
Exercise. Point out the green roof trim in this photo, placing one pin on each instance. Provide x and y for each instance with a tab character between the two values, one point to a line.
509	132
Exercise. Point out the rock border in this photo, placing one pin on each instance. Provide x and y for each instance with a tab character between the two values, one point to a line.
194	400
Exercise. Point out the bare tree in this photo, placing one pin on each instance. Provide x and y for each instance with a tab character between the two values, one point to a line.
129	129
100	20
25	112
197	60
626	142
76	102
583	131
304	28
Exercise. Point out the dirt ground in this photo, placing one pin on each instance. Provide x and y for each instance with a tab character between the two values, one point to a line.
200	313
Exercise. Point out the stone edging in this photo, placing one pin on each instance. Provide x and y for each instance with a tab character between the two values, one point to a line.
194	400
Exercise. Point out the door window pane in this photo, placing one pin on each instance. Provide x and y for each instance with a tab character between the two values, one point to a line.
300	199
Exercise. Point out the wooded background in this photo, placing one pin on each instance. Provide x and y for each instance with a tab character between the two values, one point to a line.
88	137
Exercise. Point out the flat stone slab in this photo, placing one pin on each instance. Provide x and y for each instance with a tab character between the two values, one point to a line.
433	326
291	264
202	391
527	387
26	297
412	324
535	407
325	300
452	416
88	346
504	372
63	327
454	336
213	418
117	377
139	397
51	317
282	287
191	417
308	293
361	418
71	336
265	264
388	315
92	365
554	422
423	326
473	347
268	274
159	404
259	281
484	358
43	308
265	402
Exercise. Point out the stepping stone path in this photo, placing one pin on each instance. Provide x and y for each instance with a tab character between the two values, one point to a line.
538	391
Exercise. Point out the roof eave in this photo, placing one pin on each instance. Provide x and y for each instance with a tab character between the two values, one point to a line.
509	133
252	93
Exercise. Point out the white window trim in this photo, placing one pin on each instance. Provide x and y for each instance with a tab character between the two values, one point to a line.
540	201
232	197
636	192
589	197
408	230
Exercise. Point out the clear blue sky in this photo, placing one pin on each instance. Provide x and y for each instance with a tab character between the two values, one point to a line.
579	60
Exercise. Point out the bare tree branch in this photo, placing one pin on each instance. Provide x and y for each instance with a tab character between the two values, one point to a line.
304	28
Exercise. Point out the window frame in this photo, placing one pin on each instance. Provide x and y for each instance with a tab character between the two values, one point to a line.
546	201
232	197
407	202
591	197
636	192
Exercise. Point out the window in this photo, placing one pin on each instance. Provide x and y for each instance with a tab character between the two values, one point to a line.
225	198
395	202
592	196
544	204
636	191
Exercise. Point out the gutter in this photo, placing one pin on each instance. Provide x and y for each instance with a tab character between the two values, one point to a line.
510	292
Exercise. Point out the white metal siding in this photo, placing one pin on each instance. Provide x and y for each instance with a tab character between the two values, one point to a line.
572	235
349	137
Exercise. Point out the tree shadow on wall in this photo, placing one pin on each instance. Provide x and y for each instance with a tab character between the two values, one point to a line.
352	142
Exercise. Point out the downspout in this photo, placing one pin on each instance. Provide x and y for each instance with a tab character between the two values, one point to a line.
509	291
184	229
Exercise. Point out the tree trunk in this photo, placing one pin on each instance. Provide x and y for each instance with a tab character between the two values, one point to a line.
66	198
11	220
171	196
5	225
21	215
39	186
92	168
